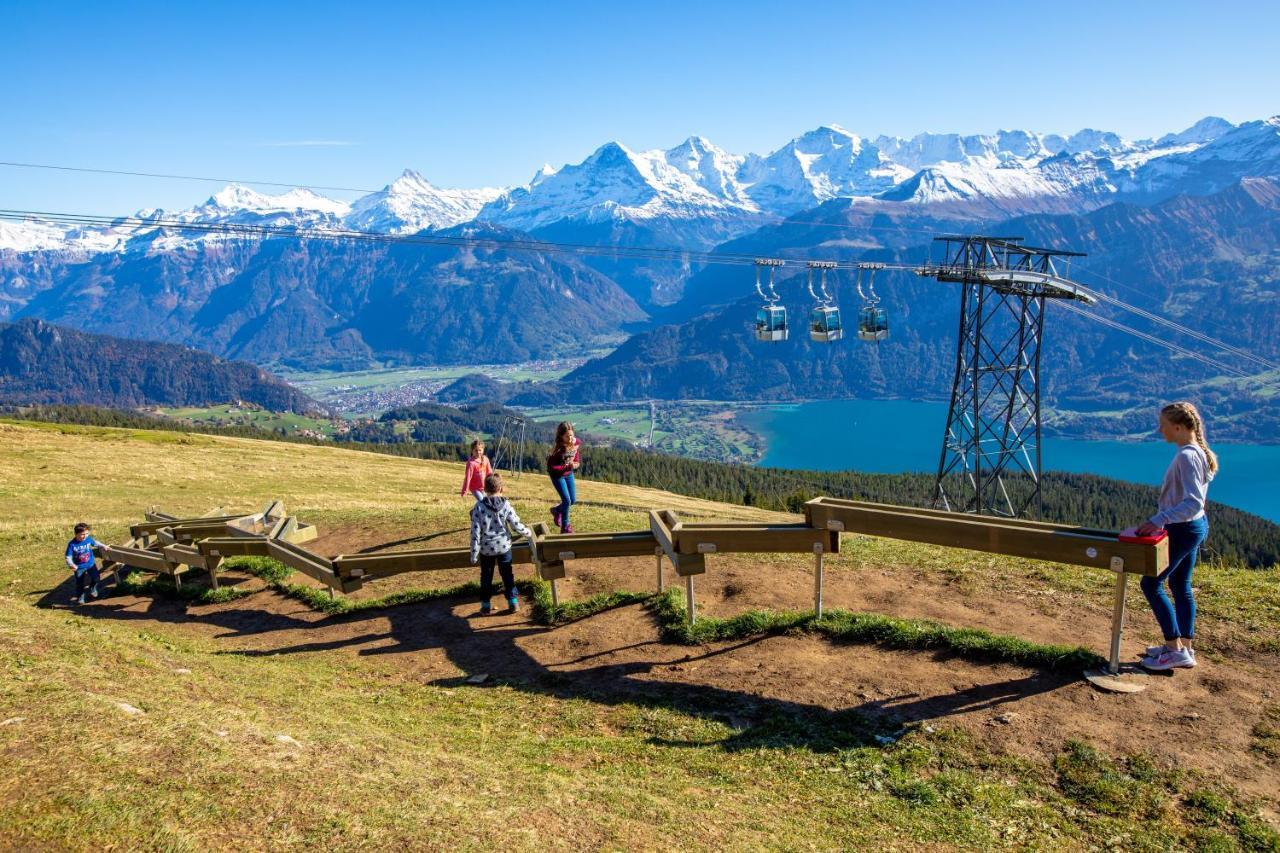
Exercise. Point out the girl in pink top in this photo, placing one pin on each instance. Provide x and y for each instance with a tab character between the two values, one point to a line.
478	468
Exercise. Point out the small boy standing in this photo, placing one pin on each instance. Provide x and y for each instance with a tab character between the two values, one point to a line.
491	542
82	561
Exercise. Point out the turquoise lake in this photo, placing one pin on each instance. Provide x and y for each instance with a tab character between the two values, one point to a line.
895	436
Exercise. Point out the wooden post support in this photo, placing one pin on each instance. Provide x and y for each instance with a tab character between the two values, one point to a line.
658	554
555	593
817	581
688	598
212	564
1117	620
1115	678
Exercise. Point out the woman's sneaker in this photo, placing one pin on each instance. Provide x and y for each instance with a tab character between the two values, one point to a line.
1156	651
513	604
555	515
568	528
1170	659
485	608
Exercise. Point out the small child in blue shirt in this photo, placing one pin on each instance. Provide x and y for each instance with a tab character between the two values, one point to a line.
82	561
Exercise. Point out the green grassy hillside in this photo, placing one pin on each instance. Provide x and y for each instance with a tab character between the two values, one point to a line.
145	722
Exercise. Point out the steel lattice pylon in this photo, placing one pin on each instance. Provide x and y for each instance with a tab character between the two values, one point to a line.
990	461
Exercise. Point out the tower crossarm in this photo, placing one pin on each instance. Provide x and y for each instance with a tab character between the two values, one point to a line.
1015	281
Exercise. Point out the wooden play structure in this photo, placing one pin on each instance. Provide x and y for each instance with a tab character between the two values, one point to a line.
174	546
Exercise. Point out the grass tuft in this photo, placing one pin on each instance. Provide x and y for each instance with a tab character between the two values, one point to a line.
1266	733
546	613
886	631
162	586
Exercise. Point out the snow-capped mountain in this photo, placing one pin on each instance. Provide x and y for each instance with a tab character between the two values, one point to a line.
712	194
691	180
411	203
823	164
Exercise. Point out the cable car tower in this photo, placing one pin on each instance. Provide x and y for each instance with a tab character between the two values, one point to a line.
990	462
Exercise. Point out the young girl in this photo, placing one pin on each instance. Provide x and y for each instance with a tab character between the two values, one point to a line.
478	468
1181	513
565	458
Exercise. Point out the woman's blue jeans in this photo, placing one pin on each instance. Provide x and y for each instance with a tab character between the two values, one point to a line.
568	493
1177	618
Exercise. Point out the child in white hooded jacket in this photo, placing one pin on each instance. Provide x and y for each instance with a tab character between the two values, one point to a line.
492	518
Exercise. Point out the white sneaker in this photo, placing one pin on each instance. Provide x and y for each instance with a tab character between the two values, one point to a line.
1170	659
1156	651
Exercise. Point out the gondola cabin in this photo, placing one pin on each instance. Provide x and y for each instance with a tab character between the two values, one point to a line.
771	323
873	324
824	324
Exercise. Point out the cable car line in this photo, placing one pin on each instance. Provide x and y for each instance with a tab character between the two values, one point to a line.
1191	333
1115	324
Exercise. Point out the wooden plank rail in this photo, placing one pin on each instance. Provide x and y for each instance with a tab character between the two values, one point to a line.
138	558
717	538
370	566
233	546
149	528
312	565
1037	540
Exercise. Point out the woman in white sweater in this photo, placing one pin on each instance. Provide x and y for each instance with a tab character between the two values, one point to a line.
1181	513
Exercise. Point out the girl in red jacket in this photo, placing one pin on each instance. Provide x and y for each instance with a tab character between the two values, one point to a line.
478	468
565	458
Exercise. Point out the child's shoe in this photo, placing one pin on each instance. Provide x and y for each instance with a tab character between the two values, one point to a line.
513	604
485	608
555	515
93	593
1156	651
568	528
80	600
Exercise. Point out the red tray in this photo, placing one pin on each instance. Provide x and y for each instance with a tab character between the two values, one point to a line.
1131	535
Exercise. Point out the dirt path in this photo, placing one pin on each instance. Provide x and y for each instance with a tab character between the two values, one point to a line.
1201	718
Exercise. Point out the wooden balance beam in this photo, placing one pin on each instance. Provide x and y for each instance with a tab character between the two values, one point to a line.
1038	540
687	543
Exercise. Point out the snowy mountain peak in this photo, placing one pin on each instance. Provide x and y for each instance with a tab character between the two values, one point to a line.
411	203
1090	140
237	198
1206	129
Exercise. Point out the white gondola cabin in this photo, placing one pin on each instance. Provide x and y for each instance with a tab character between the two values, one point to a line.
824	324
873	324
771	323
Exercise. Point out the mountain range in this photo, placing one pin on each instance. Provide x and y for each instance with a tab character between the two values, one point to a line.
1184	224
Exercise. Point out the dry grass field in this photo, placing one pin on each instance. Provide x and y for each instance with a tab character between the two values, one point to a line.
144	721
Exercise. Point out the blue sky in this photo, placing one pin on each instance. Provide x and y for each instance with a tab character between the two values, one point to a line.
350	94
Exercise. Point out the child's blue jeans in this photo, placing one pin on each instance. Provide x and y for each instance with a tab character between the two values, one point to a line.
86	579
568	493
503	562
1177	619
